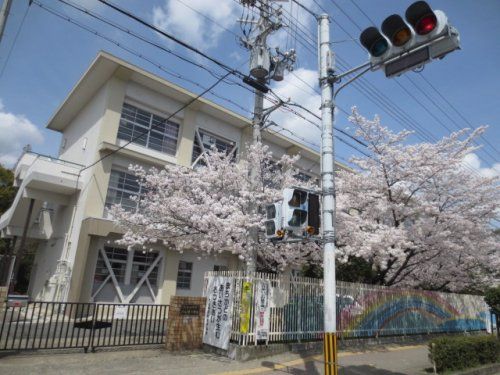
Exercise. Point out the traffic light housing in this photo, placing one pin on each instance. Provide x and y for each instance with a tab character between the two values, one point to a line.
296	216
406	44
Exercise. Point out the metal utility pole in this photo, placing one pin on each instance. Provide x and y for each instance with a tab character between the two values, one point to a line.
258	108
4	13
326	70
264	66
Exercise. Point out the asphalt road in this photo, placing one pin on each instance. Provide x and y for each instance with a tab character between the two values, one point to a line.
393	360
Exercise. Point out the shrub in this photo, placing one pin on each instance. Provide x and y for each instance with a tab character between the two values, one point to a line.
492	298
460	352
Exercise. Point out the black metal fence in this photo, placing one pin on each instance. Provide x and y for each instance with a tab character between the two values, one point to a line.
63	325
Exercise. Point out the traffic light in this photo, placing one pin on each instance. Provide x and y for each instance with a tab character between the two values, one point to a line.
406	44
296	216
274	222
301	212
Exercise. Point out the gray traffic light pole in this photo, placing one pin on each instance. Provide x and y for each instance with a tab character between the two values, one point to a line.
327	79
326	69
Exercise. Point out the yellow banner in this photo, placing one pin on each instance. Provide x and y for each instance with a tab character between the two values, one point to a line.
246	303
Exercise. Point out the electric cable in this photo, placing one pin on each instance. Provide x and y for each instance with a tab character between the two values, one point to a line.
14	41
139	55
454	108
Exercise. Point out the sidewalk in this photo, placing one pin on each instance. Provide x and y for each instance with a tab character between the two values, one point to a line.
394	360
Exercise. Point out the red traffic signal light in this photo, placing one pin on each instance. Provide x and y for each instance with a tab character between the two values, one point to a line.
421	17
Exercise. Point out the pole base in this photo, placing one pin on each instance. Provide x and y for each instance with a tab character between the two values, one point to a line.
330	353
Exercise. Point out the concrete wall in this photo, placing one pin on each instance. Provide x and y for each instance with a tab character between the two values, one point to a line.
200	266
78	139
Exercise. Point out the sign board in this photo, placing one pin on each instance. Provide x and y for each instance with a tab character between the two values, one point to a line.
262	309
120	312
246	304
189	310
218	313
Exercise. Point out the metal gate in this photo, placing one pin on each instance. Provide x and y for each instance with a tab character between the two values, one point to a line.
62	325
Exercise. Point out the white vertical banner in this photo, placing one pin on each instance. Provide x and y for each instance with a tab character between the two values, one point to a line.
262	309
219	293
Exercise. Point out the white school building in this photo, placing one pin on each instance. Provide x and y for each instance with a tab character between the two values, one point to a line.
76	257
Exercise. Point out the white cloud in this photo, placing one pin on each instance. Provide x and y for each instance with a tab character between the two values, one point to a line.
473	161
235	56
296	87
174	16
16	131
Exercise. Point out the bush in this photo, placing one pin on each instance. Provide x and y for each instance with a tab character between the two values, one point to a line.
460	352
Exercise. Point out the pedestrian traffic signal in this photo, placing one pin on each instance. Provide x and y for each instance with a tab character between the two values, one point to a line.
294	209
406	44
296	216
274	222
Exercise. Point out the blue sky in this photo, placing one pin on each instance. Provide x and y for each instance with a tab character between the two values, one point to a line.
50	54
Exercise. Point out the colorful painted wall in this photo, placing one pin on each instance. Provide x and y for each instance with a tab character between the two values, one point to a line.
371	311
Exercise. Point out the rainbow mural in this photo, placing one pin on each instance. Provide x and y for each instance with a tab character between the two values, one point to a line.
376	311
373	311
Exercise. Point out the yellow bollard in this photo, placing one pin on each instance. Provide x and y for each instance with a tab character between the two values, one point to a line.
330	353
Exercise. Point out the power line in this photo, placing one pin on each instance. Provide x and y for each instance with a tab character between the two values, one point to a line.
305	8
129	32
14	42
166	50
347	15
319	118
208	18
454	108
444	113
137	54
363	12
174	39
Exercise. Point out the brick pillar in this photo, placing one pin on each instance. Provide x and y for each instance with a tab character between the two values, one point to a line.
186	316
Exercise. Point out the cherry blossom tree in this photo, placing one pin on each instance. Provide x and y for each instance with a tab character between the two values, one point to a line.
208	208
416	214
